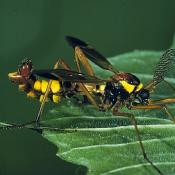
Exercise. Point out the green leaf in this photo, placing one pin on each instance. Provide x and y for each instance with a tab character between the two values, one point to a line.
115	150
107	144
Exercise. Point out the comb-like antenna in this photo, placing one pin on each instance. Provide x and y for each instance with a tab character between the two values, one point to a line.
165	64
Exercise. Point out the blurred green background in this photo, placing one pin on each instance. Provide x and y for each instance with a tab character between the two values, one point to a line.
36	29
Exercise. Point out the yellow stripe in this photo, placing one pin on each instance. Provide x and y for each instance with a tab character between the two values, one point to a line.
56	98
44	85
140	86
55	86
101	88
128	87
37	85
41	98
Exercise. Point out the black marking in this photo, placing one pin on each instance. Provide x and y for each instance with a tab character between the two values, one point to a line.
114	93
143	96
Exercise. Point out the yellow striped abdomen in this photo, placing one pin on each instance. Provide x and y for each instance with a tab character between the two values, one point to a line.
41	87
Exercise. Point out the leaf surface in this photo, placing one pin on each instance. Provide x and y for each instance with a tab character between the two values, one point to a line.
107	144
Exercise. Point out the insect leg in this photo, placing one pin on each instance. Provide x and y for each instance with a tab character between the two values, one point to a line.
81	85
45	97
81	58
156	106
63	64
168	113
134	122
163	101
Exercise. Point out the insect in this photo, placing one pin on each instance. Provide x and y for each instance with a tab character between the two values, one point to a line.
120	90
68	84
125	89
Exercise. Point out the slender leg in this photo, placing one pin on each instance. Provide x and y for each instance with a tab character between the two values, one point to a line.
81	58
81	85
134	122
163	101
45	97
168	113
77	62
89	96
63	64
157	106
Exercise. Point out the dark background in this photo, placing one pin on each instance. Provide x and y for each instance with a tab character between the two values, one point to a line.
36	29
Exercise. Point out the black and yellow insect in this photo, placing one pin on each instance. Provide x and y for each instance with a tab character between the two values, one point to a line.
34	87
118	91
121	89
65	85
